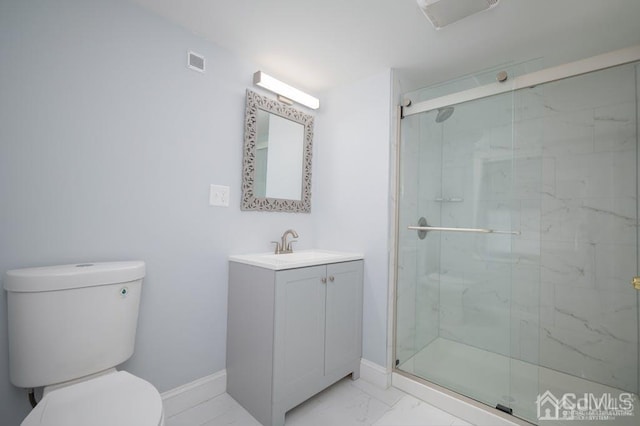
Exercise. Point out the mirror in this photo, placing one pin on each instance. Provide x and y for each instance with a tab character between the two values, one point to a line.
276	172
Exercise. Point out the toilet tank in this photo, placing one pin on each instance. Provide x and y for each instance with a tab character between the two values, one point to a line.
69	321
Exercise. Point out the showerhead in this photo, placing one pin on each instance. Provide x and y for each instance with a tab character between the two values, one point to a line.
444	113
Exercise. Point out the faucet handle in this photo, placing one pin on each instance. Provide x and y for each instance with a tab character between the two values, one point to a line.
278	248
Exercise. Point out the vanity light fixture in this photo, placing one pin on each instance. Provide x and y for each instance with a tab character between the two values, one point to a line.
284	91
445	12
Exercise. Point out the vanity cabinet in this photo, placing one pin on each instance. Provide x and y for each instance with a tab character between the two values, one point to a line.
291	333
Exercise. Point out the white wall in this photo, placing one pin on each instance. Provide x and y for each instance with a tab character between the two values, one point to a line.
351	191
108	144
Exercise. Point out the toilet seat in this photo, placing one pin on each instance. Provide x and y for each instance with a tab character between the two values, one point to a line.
117	398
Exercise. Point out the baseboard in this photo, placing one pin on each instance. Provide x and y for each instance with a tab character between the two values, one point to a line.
191	394
375	374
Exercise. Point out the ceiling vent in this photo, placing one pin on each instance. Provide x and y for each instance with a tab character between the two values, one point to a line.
444	12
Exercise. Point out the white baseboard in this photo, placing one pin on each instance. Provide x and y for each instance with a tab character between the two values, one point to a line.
375	374
191	394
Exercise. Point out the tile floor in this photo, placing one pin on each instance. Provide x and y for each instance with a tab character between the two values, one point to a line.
344	404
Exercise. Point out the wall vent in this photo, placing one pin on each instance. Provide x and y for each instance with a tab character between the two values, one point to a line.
195	61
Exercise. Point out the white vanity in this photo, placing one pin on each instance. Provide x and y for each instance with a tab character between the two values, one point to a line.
294	328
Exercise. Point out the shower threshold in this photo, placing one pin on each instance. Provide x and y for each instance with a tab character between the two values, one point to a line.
502	380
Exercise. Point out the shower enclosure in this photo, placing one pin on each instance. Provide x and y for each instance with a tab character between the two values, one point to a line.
517	245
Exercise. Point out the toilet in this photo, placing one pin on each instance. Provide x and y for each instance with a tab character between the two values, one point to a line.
69	327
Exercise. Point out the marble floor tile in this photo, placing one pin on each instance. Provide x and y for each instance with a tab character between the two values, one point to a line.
221	410
346	403
410	411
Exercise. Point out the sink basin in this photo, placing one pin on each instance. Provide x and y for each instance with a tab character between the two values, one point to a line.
296	259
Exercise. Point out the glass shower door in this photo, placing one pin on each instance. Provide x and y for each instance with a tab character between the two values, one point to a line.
518	241
455	281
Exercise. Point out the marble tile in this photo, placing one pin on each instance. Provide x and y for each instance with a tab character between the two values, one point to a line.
611	315
525	257
345	403
528	178
478	373
615	266
428	313
529	104
547	304
410	411
559	384
615	127
595	175
528	340
588	220
389	396
590	355
341	404
236	416
567	263
495	177
568	133
477	315
454	182
214	412
528	222
529	135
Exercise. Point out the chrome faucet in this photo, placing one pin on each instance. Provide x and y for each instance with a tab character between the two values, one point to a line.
284	246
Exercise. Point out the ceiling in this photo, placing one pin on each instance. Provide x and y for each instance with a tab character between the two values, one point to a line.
320	44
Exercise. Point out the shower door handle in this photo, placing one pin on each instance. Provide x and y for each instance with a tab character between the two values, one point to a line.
423	227
473	230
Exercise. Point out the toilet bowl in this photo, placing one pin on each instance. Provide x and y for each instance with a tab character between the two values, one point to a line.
69	327
115	398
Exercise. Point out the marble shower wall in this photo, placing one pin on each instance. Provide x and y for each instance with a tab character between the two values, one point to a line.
586	130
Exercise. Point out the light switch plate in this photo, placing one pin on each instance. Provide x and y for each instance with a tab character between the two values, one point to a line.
219	195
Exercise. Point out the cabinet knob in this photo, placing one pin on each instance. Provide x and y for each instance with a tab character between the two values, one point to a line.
324	280
331	278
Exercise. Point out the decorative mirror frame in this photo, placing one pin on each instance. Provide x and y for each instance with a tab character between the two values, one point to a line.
249	200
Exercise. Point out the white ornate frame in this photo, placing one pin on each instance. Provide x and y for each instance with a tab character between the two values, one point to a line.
249	200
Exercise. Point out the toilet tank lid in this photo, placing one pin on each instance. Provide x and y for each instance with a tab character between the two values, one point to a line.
61	277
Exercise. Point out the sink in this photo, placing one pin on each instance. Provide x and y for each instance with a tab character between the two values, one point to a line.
297	259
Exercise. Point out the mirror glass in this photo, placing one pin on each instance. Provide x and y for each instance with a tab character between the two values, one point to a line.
279	149
277	156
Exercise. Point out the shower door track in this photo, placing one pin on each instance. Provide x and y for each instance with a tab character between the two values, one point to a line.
584	66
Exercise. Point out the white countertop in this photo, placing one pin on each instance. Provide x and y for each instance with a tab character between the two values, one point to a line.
297	259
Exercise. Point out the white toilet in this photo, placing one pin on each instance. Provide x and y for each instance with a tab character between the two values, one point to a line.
69	326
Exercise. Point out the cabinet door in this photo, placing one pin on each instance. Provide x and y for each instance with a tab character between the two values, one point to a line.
344	315
299	330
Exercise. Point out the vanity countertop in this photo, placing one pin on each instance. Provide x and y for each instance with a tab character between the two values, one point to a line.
297	259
